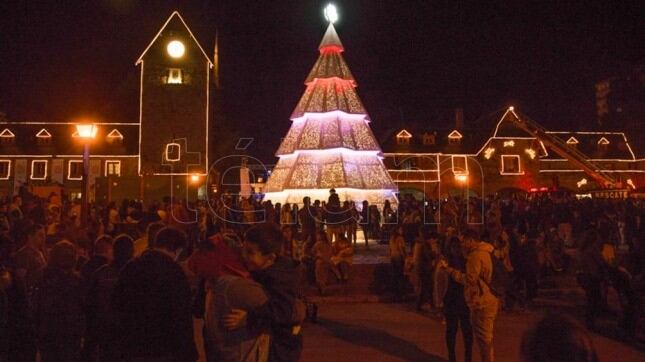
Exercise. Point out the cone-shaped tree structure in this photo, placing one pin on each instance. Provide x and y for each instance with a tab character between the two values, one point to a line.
330	144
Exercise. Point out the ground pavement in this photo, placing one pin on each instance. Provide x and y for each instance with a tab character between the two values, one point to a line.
349	329
395	332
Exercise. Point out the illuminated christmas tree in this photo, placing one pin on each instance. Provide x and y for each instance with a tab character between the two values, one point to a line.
330	144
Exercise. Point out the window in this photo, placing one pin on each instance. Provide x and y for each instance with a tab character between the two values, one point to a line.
75	170
175	76
173	152
428	139
454	137
5	169
38	169
511	165
603	144
572	141
115	136
403	137
459	165
113	168
7	137
409	164
44	137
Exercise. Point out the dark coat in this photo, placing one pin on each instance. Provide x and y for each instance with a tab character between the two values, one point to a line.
280	281
101	320
152	304
58	309
91	266
20	334
454	302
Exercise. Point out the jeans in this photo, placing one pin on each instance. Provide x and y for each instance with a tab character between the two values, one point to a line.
453	322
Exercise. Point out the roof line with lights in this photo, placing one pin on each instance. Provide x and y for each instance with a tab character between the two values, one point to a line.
174	13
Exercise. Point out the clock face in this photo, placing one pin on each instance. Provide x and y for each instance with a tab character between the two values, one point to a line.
176	49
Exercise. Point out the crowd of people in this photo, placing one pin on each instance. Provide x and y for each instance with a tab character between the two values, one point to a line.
128	283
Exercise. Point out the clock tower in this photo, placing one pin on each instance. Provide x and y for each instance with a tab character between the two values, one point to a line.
174	103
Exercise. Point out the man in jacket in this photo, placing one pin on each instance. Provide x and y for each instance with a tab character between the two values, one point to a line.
482	303
152	304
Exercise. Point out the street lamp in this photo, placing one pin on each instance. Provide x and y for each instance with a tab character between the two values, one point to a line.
463	180
86	132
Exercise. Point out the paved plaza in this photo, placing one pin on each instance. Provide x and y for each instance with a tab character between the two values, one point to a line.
395	332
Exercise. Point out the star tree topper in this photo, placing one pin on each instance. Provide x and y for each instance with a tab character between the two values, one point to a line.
331	13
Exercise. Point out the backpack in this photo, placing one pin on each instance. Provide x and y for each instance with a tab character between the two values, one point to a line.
500	280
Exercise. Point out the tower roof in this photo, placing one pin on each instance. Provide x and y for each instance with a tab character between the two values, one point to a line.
331	39
174	17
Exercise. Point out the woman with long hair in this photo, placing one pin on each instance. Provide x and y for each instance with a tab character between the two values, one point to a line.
455	310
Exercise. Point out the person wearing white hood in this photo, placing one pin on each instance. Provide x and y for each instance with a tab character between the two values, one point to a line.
482	302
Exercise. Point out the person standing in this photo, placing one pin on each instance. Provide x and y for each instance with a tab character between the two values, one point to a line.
425	256
307	217
398	254
58	306
481	301
102	255
282	313
322	253
455	309
342	258
29	261
100	314
152	303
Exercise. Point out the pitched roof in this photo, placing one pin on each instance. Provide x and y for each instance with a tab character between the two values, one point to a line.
588	143
63	143
475	139
178	17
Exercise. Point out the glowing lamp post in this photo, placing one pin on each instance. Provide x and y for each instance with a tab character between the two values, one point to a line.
86	132
463	180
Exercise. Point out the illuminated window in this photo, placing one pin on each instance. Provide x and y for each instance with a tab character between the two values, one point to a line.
403	137
113	168
75	170
459	165
175	76
5	169
38	169
173	152
511	165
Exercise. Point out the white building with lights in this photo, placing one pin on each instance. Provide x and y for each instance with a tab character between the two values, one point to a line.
515	154
163	153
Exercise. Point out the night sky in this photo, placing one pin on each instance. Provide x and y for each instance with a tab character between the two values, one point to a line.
414	63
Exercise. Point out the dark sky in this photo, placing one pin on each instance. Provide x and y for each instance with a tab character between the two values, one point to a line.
415	61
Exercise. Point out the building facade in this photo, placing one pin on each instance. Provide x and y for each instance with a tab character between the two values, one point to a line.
516	155
164	153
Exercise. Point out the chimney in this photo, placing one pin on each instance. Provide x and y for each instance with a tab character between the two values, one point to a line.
459	118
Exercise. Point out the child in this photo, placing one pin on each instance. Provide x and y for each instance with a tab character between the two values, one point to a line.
283	312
